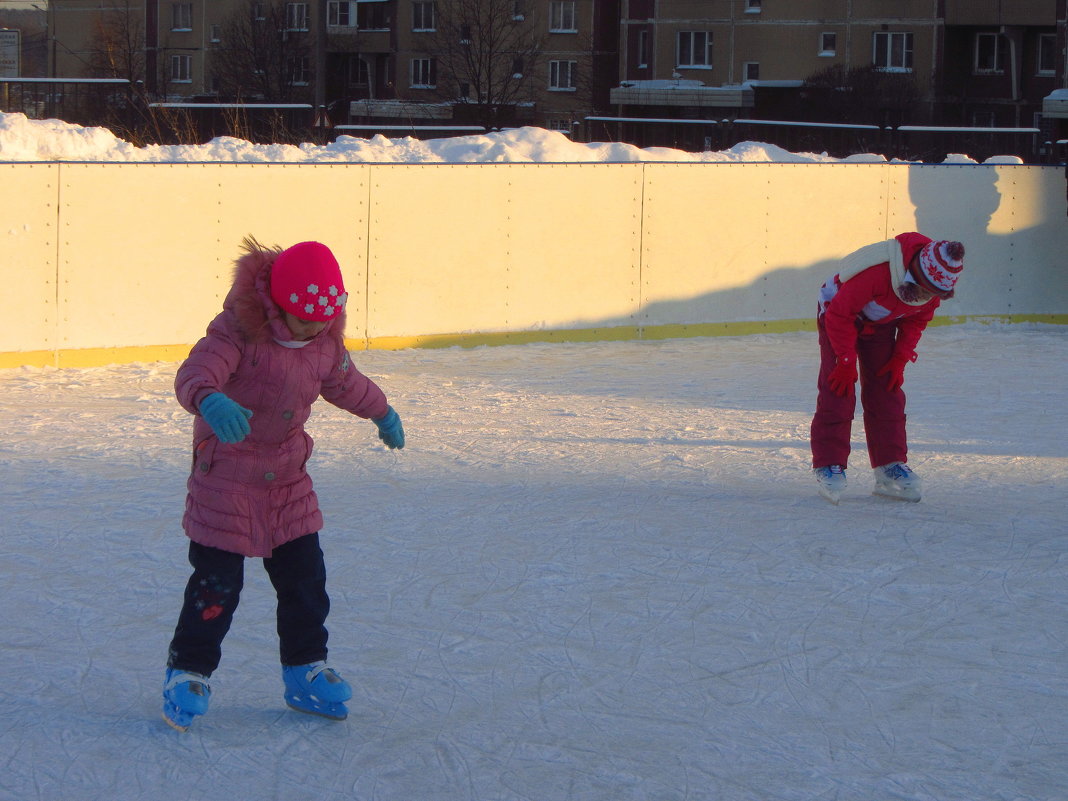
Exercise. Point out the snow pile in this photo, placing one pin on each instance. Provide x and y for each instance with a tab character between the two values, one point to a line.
23	139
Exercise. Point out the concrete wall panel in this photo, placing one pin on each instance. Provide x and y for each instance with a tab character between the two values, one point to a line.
463	248
1011	220
147	249
122	262
743	242
29	217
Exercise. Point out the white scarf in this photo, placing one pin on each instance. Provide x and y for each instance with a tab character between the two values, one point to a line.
870	255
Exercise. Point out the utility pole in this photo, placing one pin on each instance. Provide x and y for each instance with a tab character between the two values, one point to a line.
151	46
320	57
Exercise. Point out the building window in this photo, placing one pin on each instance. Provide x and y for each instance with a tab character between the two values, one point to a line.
751	71
423	16
828	43
991	53
298	70
424	73
752	6
694	49
181	16
341	13
561	126
359	72
1047	54
373	16
892	52
216	33
259	12
562	16
182	69
297	16
643	49
562	75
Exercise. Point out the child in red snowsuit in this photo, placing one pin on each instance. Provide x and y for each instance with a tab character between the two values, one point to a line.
872	314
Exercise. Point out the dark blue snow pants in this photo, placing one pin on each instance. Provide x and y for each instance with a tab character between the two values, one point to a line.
298	574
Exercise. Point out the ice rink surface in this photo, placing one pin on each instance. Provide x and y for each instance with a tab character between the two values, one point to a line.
597	572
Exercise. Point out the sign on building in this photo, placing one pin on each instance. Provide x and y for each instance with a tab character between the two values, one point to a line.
10	52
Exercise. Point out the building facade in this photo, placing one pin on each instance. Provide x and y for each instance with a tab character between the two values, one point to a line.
966	62
384	63
589	66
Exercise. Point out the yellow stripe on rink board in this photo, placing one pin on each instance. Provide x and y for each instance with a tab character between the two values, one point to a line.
94	357
672	331
98	357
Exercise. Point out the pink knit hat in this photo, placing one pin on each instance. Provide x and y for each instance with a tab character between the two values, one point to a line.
306	282
940	265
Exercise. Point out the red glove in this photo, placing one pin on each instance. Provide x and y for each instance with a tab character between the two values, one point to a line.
895	370
843	376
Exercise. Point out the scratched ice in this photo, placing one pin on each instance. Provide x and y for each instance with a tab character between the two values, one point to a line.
597	572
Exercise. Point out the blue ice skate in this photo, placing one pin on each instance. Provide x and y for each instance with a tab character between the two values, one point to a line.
185	697
316	689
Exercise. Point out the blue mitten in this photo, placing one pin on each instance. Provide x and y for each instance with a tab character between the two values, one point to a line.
390	430
227	419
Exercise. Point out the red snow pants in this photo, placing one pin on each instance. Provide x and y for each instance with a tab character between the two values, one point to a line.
884	411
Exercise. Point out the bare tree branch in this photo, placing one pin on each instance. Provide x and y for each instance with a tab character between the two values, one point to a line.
259	57
485	52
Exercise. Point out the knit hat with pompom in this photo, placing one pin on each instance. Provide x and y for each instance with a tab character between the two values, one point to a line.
939	267
306	282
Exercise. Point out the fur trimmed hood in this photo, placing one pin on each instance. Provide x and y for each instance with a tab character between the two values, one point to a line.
257	316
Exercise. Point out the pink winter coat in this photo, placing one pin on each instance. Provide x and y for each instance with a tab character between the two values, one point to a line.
252	496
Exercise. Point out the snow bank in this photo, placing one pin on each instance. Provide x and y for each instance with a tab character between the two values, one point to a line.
23	139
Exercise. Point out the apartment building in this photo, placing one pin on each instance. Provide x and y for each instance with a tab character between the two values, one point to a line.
557	63
972	62
385	63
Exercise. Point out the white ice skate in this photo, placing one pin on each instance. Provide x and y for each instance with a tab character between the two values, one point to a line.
831	481
896	480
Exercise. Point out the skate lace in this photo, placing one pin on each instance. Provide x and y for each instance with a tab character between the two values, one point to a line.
897	471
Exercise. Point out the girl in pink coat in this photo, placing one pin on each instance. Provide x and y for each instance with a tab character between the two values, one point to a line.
275	348
872	314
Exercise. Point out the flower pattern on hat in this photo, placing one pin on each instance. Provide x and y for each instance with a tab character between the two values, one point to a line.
306	282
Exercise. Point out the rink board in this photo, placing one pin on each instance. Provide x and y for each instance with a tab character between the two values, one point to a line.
122	262
28	194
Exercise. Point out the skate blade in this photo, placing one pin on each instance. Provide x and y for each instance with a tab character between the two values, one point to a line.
830	495
897	495
173	724
340	712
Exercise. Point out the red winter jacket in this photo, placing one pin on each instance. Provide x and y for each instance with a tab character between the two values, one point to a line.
252	496
852	307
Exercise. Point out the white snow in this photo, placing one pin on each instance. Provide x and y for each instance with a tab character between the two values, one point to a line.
23	139
597	571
